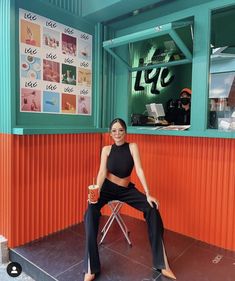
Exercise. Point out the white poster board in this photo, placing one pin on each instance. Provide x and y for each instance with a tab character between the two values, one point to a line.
55	67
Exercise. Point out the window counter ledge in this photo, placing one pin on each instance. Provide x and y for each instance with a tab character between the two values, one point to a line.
211	133
55	130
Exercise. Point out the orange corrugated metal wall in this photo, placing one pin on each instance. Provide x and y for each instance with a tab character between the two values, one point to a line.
50	179
5	185
193	178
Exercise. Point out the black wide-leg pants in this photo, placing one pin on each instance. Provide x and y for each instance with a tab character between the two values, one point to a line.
133	197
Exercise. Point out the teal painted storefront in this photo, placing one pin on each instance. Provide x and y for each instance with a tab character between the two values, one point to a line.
111	80
16	122
200	64
24	133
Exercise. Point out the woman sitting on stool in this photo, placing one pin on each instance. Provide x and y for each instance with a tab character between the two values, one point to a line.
117	162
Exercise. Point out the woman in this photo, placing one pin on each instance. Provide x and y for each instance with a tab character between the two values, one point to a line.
117	162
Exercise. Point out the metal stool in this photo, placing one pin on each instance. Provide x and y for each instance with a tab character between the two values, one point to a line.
115	207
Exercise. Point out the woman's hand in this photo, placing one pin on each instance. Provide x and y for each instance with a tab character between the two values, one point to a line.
152	200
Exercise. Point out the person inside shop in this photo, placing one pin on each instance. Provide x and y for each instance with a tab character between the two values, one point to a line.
116	165
178	112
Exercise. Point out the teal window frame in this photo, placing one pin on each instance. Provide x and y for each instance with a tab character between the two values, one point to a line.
155	32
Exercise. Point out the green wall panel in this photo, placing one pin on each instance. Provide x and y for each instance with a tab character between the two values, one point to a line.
22	122
5	78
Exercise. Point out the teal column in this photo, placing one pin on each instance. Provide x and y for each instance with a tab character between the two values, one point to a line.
200	70
108	90
5	66
98	64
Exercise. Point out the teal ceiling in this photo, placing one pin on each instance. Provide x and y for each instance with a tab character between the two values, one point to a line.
120	14
106	10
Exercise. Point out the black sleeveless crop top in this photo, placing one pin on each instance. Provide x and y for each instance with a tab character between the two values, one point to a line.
120	161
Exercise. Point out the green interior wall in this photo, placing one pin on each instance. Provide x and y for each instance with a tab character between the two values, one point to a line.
223	28
182	79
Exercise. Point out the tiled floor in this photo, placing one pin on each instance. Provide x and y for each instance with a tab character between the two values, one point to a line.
60	256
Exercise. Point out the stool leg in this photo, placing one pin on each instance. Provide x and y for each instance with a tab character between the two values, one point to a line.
107	223
106	228
123	227
115	208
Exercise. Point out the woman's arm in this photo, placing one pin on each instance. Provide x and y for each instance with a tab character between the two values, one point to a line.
140	173
102	173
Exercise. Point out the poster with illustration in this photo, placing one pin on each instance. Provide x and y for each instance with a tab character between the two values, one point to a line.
84	105
30	100
69	45
30	33
68	74
51	38
84	77
51	102
84	50
55	67
51	71
30	67
68	103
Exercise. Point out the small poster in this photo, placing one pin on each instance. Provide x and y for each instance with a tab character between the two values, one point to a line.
55	67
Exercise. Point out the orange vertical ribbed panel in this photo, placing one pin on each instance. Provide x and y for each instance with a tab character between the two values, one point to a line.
194	180
50	179
5	185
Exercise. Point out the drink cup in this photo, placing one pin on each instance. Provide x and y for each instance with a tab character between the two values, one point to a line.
93	193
